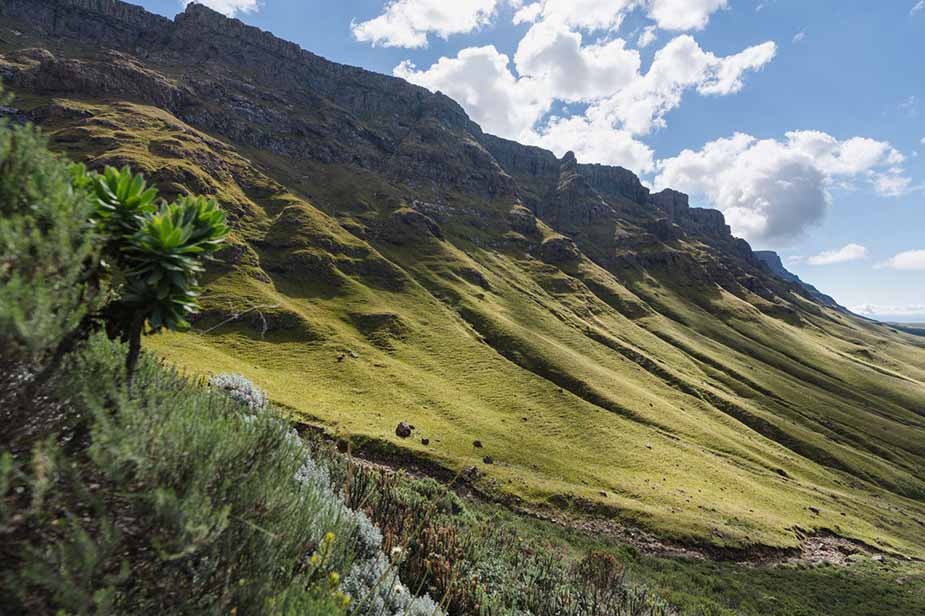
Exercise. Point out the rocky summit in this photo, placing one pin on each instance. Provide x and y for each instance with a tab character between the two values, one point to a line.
616	353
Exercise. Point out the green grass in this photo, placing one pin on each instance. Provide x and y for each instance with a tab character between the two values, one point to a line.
700	416
715	588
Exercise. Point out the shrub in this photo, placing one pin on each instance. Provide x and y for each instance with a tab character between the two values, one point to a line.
241	389
47	247
56	219
157	252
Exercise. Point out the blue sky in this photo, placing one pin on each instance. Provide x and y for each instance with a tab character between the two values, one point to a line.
803	121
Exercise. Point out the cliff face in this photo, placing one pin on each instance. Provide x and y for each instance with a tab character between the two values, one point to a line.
773	262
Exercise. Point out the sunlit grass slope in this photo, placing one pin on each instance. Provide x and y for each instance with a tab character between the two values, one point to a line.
685	410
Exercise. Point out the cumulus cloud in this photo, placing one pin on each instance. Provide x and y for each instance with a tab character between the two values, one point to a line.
407	23
647	37
910	260
919	7
799	36
480	79
593	141
684	14
228	7
554	64
772	191
851	252
554	55
580	14
678	15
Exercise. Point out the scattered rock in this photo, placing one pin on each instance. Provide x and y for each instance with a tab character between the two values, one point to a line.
648	445
602	493
477	444
814	510
488	460
403	430
425	441
471	473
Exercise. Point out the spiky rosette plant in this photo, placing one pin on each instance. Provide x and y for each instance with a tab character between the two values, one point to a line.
155	252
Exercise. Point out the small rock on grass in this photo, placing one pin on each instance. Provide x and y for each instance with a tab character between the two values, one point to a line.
403	430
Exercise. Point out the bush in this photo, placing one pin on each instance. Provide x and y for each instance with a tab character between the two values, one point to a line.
182	500
56	220
47	247
241	389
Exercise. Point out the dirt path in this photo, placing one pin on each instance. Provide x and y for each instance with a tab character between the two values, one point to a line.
815	548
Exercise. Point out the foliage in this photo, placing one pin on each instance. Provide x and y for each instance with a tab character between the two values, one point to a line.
47	247
56	219
478	566
156	250
181	500
241	389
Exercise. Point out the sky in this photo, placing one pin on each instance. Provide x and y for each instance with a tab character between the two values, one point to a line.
804	122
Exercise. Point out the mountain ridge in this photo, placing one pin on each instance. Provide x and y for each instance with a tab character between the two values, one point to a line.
391	262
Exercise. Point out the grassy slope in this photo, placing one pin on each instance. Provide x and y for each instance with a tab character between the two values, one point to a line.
723	426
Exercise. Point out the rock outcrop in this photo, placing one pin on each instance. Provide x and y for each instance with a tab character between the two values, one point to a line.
772	261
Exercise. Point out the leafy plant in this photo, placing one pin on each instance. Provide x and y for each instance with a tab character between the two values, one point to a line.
48	247
155	252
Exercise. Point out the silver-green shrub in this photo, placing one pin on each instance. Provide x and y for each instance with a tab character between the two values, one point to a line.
240	389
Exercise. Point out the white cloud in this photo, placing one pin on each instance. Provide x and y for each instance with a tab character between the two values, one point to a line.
922	141
677	15
552	54
910	260
593	141
851	252
228	7
726	74
892	182
406	23
799	36
479	78
875	310
581	14
772	191
553	64
683	14
647	37
918	8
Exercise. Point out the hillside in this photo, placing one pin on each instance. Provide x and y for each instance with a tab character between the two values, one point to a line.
614	351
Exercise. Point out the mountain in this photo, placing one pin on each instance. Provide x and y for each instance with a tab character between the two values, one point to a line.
613	351
772	260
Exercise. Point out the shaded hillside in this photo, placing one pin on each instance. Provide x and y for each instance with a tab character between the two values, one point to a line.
611	349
